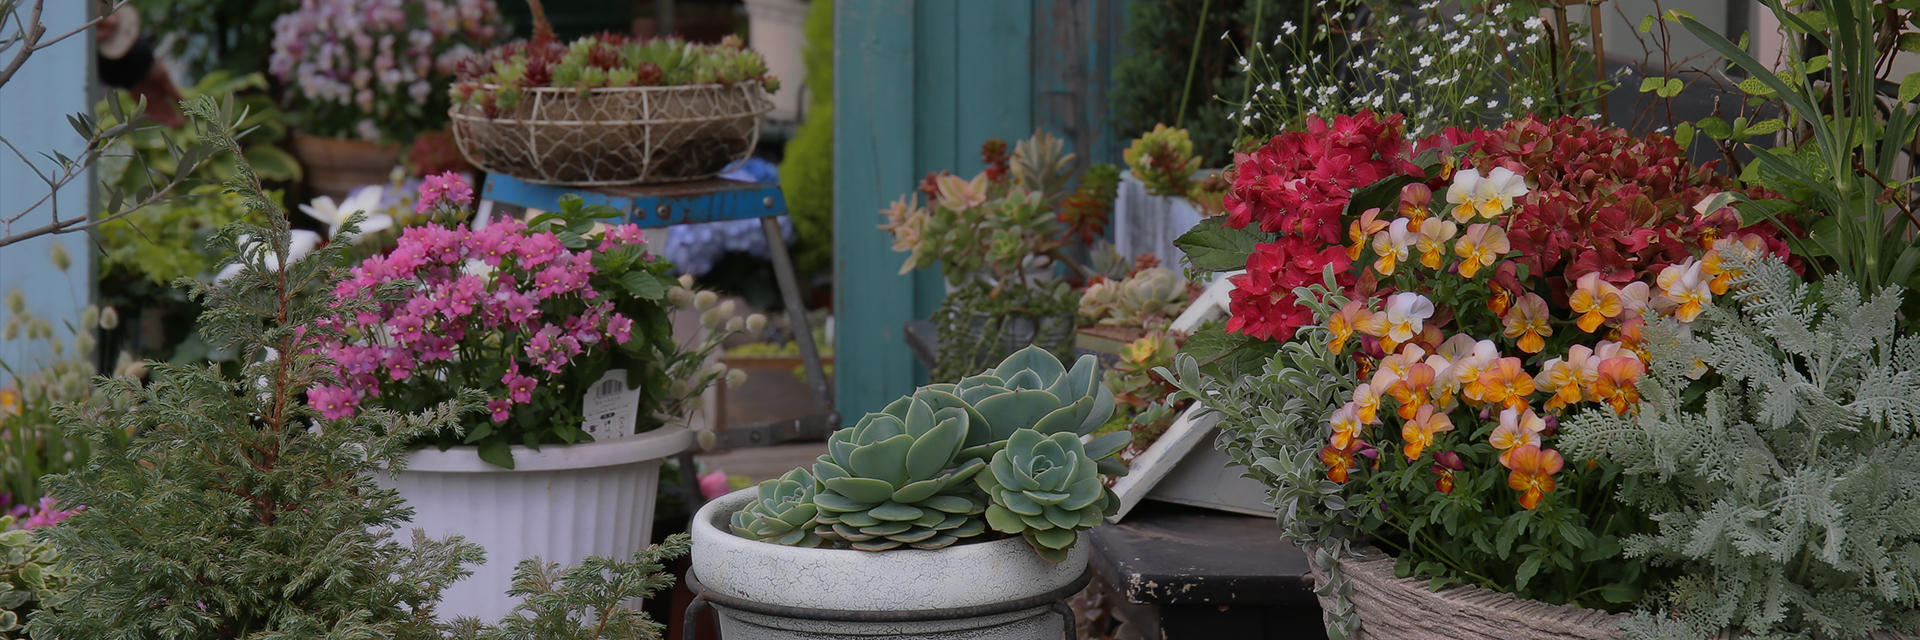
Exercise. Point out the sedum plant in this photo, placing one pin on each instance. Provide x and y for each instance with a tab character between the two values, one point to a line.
1000	450
1784	482
1163	160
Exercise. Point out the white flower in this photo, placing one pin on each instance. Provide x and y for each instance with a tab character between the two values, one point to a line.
1527	102
1493	104
299	245
366	199
1406	96
1470	100
1426	61
1534	22
1407	314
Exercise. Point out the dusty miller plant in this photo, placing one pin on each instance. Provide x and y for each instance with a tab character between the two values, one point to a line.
1274	422
1787	484
234	510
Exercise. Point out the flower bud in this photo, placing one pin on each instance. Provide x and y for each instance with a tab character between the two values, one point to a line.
89	316
680	296
59	349
712	318
83	343
736	377
726	309
756	323
12	329
16	302
60	258
713	370
735	324
686	280
705	300
109	318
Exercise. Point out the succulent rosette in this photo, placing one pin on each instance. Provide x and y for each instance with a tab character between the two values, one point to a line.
782	512
891	481
1045	488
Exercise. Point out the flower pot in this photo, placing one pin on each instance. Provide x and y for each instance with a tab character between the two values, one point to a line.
614	135
776	29
1396	608
336	165
562	503
999	589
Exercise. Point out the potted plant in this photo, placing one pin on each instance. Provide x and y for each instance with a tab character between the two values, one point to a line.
366	77
1399	386
998	239
609	110
968	495
562	321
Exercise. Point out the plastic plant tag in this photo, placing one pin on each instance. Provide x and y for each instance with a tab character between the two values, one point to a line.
610	407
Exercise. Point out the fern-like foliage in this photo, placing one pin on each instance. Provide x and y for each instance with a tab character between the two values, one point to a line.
1787	482
1274	424
226	507
585	602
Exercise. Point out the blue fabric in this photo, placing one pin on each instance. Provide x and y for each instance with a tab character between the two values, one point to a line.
695	248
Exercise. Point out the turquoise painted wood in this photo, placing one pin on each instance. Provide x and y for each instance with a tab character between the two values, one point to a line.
919	85
33	110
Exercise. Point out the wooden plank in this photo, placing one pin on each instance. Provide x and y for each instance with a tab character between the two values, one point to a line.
1074	43
873	164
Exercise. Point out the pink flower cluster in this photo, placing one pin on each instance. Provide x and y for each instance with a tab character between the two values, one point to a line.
483	296
48	513
450	189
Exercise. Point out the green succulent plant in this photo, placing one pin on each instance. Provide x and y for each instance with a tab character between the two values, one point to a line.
1151	292
1163	160
783	512
892	480
1046	489
1029	390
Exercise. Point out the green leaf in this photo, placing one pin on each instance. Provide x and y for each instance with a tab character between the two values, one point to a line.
1910	87
480	432
1910	42
497	452
1525	573
1765	127
1818	64
1674	85
1646	23
1756	86
644	285
1648	85
1715	128
1212	247
1683	134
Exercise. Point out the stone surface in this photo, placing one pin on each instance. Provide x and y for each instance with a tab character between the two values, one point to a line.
967	575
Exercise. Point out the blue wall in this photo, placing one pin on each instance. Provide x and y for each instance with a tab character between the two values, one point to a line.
34	106
918	85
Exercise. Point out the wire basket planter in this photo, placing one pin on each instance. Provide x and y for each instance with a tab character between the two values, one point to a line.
1404	608
614	135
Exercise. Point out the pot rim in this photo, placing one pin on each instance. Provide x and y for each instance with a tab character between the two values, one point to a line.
652	445
851	580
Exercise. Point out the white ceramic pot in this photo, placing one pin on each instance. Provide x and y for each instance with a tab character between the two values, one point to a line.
788	593
561	503
777	29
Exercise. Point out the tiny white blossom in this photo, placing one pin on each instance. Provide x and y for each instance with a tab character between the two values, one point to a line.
1497	58
1493	104
1426	61
1406	96
1224	34
1470	100
1393	20
1534	22
1527	102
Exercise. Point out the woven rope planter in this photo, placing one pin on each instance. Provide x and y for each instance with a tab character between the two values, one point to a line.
1393	608
614	135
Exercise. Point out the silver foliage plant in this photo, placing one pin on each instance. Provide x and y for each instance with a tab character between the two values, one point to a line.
1274	422
1788	488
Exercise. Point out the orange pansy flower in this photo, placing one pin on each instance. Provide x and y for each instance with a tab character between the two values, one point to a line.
1483	244
1532	474
1339	460
1517	429
1368	224
1527	322
1419	431
1506	383
1351	317
1596	300
1615	383
1346	425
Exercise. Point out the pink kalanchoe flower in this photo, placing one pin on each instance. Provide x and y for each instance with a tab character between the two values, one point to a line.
450	188
334	403
620	327
519	387
500	409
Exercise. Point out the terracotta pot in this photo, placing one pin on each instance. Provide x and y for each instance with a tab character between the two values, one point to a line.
337	165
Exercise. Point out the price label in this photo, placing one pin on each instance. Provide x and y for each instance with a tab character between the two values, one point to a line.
611	408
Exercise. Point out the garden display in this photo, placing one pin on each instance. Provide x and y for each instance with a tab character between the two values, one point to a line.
610	110
989	474
306	538
549	318
998	239
367	76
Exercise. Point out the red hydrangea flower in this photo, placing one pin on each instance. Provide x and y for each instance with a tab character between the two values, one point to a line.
1263	304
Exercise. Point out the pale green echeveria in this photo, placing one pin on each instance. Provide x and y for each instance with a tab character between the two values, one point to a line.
1045	488
1151	291
899	480
782	512
1029	390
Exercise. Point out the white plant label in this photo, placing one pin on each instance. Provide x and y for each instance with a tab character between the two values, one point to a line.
610	407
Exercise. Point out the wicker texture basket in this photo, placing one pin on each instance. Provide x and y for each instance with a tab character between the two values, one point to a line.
1392	608
614	135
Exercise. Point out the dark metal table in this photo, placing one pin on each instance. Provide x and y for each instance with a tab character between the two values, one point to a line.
1183	572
